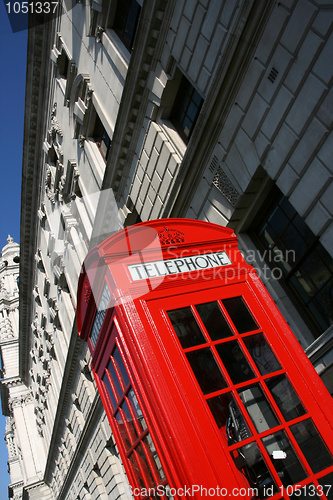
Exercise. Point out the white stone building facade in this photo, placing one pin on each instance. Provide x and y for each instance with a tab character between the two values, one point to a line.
219	110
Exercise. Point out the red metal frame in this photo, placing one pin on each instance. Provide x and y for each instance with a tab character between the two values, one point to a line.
190	448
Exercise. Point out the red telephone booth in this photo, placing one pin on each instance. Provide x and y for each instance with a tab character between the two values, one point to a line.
207	391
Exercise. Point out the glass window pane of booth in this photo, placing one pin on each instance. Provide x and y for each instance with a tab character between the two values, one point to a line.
257	406
235	362
186	327
285	397
312	445
229	418
240	315
261	354
326	486
251	462
206	370
214	321
284	458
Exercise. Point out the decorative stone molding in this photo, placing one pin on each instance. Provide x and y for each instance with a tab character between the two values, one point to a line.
3	291
6	329
81	141
20	401
225	186
55	127
58	175
89	94
98	34
55	53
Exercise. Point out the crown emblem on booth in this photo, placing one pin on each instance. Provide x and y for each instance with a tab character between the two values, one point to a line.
171	236
86	290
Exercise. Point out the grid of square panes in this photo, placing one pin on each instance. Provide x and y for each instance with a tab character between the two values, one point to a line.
306	267
186	108
141	453
270	435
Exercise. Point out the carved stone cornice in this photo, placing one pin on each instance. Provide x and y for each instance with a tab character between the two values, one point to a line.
11	382
19	401
40	40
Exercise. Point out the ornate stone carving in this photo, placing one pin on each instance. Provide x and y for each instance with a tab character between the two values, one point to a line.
6	329
81	141
19	401
55	127
98	34
3	291
89	94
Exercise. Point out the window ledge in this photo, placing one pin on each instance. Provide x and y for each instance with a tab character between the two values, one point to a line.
320	346
95	159
62	84
118	53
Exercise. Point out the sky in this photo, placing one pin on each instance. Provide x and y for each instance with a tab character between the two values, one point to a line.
13	53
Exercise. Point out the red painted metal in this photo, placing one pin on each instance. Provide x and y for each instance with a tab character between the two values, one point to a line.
169	429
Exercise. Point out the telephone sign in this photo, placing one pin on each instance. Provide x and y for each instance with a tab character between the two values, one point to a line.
177	266
207	390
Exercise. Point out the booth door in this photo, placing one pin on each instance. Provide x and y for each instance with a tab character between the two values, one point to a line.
255	388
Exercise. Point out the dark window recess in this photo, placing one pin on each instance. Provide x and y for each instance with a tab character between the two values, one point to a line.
63	63
186	109
126	21
102	139
305	267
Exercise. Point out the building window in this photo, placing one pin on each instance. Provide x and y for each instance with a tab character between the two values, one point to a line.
63	64
186	108
306	268
101	138
125	21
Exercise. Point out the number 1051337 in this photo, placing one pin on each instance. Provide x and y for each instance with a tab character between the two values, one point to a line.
42	7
